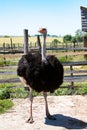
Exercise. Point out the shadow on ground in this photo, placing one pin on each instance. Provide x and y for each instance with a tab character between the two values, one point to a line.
66	121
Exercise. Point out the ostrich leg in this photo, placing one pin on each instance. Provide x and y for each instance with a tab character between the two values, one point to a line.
30	120
46	107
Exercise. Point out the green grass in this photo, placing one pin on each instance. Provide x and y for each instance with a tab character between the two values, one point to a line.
4	93
71	58
65	59
20	92
5	104
79	89
8	91
8	62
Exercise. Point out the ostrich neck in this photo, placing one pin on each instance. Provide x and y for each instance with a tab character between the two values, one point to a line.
43	50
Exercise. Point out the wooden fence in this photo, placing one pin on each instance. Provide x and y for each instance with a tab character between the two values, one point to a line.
73	75
70	75
17	48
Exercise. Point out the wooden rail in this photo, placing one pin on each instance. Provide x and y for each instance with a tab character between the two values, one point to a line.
21	50
70	75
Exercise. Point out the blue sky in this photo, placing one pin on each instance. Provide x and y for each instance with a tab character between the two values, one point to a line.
60	17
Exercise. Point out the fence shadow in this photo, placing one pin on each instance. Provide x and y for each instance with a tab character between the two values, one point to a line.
66	122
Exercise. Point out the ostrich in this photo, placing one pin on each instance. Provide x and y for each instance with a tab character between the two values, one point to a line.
40	73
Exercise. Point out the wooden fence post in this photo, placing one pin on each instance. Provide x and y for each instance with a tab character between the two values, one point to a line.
66	49
4	47
25	41
11	44
39	43
72	83
85	45
4	54
74	46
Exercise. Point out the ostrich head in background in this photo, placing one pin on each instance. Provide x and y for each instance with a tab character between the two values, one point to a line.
43	31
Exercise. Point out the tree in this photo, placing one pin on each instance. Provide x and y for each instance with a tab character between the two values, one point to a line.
55	42
6	36
78	32
74	40
79	35
85	34
67	38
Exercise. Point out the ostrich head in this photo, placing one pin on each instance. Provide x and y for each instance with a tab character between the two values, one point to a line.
43	31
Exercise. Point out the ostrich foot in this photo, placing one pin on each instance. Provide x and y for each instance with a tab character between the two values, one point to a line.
30	120
50	117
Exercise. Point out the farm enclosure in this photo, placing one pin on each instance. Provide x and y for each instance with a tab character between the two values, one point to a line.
10	56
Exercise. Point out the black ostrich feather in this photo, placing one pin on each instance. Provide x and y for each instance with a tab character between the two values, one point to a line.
41	76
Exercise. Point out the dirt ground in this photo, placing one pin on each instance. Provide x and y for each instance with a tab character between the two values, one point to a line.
70	113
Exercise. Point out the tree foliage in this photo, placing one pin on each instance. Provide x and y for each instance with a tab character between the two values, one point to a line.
79	35
55	42
74	40
67	38
77	38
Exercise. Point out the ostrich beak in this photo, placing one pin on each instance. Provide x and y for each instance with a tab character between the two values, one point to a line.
42	30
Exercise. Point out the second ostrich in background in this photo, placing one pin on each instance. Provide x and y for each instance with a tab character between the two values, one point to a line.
40	73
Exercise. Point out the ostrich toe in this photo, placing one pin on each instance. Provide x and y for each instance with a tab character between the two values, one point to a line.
30	120
51	117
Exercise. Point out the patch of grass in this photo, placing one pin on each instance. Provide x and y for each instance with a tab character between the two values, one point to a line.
5	105
18	93
84	67
66	59
4	93
8	60
1	61
61	91
71	58
78	58
5	85
9	91
10	63
79	89
8	76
